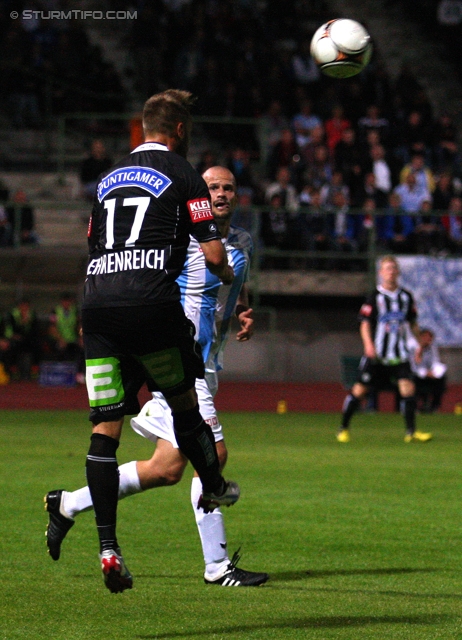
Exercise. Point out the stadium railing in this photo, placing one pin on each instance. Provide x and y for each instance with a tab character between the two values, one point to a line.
61	230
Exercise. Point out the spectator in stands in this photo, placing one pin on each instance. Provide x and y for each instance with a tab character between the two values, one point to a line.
446	146
208	159
370	190
90	169
285	189
304	70
349	161
314	227
411	194
328	191
317	139
422	104
304	121
285	153
423	174
416	137
344	229
243	215
373	121
272	122
381	171
429	233
20	341
406	86
364	223
452	222
444	192
429	372
319	172
335	126
372	139
238	162
449	19
276	225
5	228
21	219
395	230
64	332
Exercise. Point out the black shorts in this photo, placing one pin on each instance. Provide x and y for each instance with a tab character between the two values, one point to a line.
381	376
126	347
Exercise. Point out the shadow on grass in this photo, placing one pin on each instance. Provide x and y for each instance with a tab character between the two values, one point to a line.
321	622
304	575
289	576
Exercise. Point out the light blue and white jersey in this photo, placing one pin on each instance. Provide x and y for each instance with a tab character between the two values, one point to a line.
207	301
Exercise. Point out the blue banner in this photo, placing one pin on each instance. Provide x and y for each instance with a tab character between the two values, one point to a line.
143	177
436	284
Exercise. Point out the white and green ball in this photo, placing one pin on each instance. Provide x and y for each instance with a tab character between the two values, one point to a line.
341	48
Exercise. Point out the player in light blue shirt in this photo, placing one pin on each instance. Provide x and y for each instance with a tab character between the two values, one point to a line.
210	305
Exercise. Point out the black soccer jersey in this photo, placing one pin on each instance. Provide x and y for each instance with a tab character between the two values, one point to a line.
146	207
390	313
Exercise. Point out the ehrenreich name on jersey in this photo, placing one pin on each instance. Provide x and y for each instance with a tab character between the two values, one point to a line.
146	208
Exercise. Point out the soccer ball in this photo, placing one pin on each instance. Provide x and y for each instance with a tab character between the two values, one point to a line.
341	48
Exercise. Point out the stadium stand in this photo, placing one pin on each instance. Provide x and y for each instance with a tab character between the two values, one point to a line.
260	49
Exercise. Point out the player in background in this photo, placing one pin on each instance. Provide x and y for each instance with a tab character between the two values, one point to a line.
210	305
134	327
385	319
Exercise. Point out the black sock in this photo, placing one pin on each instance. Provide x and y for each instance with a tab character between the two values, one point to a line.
408	409
103	482
195	439
350	405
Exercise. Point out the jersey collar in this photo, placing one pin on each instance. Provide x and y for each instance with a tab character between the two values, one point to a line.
386	292
150	146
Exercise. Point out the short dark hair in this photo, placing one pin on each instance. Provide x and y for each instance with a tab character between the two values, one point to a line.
427	330
163	111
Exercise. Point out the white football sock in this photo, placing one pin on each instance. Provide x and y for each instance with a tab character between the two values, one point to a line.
129	481
212	534
77	501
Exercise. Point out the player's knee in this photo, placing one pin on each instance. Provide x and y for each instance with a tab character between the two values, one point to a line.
161	473
172	476
358	391
406	388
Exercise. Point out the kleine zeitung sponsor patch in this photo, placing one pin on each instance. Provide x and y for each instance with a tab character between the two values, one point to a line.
199	209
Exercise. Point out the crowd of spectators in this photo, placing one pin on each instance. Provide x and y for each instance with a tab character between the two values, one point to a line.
17	219
330	163
27	340
337	160
49	67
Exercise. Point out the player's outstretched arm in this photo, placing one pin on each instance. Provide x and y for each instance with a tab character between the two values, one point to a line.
245	316
217	260
368	342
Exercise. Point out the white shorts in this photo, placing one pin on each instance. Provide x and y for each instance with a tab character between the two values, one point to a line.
155	418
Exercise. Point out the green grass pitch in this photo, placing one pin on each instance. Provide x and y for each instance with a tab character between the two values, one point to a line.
362	541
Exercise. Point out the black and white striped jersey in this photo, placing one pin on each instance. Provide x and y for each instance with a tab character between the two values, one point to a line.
145	210
390	313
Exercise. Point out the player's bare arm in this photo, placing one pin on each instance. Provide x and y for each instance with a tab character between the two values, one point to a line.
416	333
366	336
217	261
245	316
